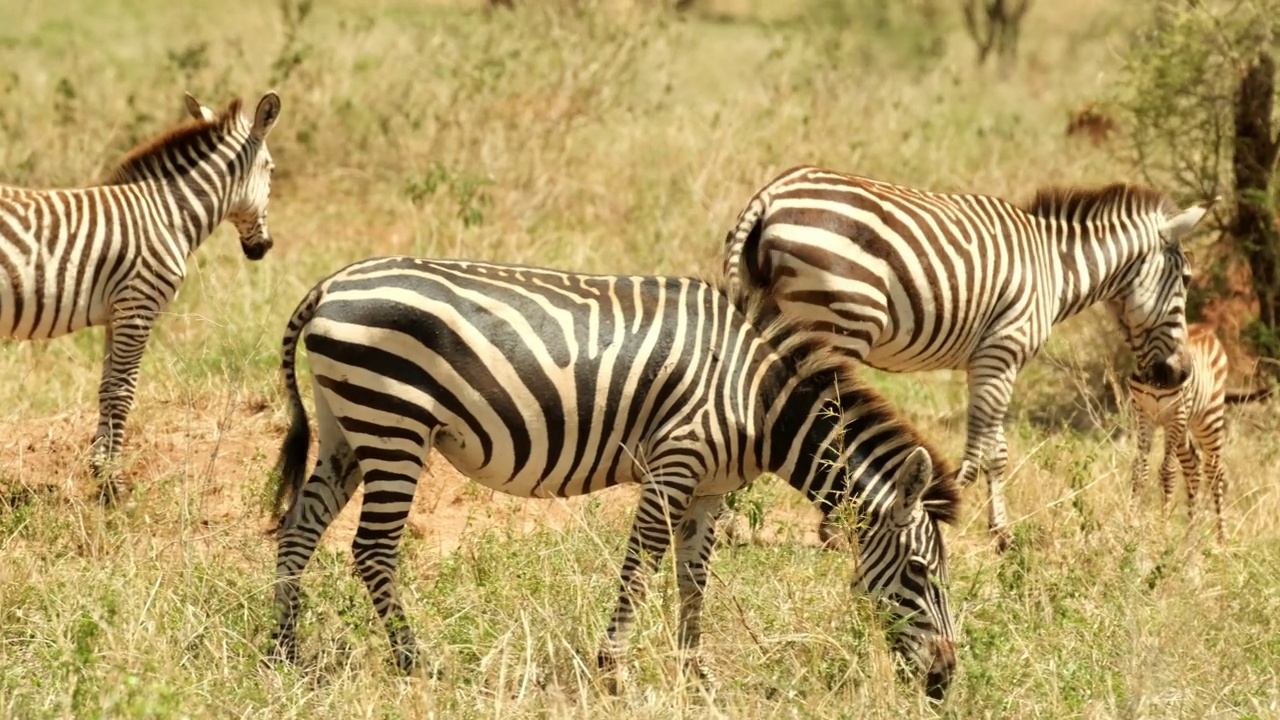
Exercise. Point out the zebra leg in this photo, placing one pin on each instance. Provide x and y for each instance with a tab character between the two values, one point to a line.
1218	485
990	387
662	503
128	340
1175	449
1141	460
1189	457
696	539
998	519
101	447
388	496
322	497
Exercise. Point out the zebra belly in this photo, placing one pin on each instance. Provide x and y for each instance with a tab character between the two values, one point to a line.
527	481
902	357
387	392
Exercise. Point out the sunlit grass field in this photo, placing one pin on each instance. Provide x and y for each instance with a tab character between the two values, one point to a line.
610	138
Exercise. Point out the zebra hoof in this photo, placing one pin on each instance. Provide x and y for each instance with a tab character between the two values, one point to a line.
1003	539
112	493
699	676
832	537
282	652
610	675
406	660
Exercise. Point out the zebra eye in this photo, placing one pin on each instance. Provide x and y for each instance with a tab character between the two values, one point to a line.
917	564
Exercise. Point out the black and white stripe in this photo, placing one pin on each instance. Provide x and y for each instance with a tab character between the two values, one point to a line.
116	254
1193	416
540	383
908	280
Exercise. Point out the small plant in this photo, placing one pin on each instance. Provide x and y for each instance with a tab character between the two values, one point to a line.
294	50
1081	473
468	191
189	60
65	102
421	187
750	503
1262	337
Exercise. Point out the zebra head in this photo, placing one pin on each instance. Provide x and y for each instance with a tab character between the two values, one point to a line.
252	190
1151	307
903	563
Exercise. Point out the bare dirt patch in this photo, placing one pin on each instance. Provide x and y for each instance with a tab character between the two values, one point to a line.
216	452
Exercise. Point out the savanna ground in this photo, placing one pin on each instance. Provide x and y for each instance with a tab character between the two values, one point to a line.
612	140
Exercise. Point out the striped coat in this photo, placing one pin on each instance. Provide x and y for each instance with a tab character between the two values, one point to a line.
541	383
1193	416
115	254
908	280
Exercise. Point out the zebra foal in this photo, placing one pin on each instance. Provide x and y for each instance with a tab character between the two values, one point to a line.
1193	416
907	280
115	254
541	383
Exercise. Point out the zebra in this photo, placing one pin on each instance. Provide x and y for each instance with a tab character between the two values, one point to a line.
541	383
907	280
115	254
1193	416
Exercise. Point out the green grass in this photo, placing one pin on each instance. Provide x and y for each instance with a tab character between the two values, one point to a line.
613	140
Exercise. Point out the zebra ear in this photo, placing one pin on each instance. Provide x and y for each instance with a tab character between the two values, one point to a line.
912	479
198	111
1179	226
264	118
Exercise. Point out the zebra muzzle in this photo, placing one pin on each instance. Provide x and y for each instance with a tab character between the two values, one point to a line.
256	249
1169	373
938	677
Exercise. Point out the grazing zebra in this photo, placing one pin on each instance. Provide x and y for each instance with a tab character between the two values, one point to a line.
544	384
907	280
1193	416
116	254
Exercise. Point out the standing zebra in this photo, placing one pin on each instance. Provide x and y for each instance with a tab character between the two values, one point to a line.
907	280
116	254
1193	416
544	384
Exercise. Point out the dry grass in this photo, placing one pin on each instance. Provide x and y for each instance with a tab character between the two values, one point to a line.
617	140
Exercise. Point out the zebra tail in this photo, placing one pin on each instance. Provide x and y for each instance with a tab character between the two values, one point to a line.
741	245
291	467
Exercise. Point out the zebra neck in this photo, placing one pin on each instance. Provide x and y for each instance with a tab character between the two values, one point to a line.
190	196
184	214
1093	260
815	440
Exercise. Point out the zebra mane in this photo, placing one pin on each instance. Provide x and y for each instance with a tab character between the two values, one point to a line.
810	356
190	135
1084	203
